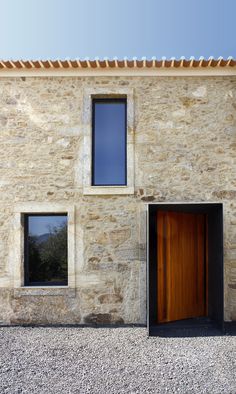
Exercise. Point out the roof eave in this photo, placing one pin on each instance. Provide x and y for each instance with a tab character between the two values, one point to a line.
131	67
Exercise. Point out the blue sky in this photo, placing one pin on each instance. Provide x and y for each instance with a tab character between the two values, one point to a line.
89	28
39	225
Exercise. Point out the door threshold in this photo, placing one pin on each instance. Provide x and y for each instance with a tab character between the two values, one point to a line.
202	326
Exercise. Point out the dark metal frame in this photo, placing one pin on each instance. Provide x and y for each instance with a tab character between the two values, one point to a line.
26	251
108	100
214	212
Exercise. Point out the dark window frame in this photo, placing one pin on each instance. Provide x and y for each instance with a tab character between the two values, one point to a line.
27	282
108	100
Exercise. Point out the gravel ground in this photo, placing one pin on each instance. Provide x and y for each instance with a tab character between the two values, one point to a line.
113	360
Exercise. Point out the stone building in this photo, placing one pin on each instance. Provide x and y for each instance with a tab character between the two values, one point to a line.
163	218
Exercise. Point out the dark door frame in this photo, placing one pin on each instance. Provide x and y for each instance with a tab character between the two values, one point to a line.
214	213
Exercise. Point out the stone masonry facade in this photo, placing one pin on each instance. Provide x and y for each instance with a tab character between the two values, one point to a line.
184	144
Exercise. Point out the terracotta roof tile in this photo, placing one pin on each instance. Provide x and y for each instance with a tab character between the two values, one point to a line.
117	63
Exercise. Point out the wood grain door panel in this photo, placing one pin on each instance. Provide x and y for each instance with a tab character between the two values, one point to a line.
181	265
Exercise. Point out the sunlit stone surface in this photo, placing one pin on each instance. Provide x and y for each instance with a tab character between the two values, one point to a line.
184	138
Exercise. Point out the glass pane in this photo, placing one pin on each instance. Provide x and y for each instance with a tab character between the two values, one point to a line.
109	142
46	249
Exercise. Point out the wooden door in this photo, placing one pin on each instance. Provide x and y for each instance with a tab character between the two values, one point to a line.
181	265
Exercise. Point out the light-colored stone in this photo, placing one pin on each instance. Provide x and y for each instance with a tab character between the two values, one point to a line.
181	147
200	91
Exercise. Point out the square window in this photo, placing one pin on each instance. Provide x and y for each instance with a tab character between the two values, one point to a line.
45	250
109	139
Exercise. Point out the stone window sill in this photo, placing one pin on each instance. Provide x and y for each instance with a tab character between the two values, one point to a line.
108	190
48	291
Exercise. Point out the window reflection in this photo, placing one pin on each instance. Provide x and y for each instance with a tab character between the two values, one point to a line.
46	249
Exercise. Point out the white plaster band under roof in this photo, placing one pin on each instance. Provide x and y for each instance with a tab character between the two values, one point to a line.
116	66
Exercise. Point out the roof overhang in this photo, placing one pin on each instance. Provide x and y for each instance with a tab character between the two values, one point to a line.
134	67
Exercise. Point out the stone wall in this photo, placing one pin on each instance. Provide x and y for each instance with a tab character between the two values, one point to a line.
185	150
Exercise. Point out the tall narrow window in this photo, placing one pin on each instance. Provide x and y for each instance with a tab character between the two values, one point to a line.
46	250
109	142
